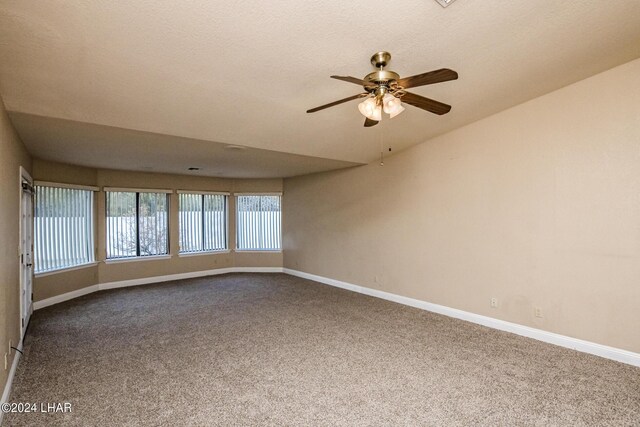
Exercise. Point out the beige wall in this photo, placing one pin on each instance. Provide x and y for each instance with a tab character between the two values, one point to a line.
538	206
66	281
60	283
12	155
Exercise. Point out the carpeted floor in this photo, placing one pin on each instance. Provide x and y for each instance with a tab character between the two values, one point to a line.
272	349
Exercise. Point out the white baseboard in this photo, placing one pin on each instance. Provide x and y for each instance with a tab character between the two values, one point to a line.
12	372
64	297
607	352
166	278
257	270
147	280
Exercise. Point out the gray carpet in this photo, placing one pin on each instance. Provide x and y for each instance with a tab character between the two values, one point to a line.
272	349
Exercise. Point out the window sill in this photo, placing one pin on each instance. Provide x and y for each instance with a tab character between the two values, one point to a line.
199	253
64	270
137	258
259	251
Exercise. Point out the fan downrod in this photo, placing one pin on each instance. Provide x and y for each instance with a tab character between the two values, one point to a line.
380	59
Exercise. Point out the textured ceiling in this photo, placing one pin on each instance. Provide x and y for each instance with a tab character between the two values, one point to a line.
245	72
116	148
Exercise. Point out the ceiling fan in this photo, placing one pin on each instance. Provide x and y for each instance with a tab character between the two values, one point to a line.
385	91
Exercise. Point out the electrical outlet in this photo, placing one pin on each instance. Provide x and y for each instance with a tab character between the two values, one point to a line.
537	311
494	302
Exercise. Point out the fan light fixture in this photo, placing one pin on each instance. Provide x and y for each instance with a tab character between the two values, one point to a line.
392	105
372	109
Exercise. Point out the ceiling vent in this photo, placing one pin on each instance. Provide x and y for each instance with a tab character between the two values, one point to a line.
445	3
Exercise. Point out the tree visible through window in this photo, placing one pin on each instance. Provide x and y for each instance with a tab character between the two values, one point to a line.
137	224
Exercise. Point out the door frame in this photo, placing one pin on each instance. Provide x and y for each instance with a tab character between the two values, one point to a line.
24	176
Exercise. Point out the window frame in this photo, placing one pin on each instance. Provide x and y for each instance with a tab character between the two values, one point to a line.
90	228
137	192
202	251
237	207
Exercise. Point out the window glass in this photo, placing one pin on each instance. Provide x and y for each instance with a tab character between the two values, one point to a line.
63	228
258	223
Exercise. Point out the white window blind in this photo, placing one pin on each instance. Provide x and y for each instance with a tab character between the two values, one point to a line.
203	222
137	224
63	228
258	223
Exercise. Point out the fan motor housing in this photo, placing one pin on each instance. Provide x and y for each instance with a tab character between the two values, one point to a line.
380	78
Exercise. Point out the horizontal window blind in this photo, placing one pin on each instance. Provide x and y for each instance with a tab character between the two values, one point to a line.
203	222
137	224
258	222
63	228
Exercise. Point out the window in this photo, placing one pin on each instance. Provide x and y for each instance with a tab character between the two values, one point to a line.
63	228
258	222
203	222
137	224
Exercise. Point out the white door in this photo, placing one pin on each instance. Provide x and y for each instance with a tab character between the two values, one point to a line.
26	249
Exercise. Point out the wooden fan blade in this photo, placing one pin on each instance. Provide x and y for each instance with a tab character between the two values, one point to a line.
368	122
322	107
425	103
436	76
353	80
